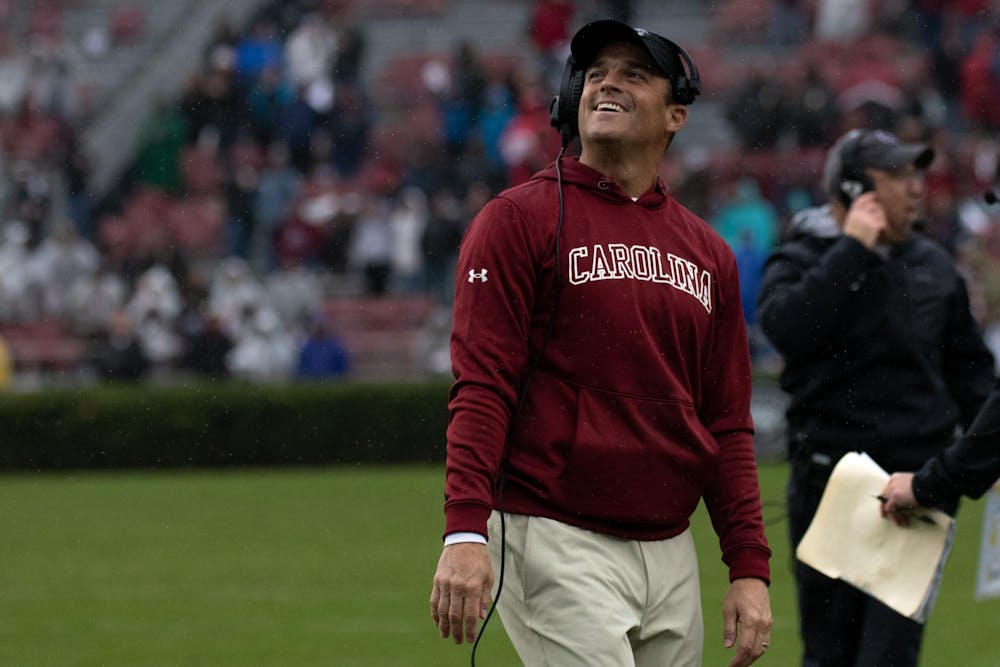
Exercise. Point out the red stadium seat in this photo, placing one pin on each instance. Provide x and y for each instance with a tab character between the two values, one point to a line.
126	24
195	226
200	170
382	335
43	345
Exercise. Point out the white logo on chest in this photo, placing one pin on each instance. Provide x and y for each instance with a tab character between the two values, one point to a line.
474	276
617	261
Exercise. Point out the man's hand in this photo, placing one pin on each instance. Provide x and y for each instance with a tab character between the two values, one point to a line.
899	498
461	592
746	615
865	220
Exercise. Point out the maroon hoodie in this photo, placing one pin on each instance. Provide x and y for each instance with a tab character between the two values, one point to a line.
638	395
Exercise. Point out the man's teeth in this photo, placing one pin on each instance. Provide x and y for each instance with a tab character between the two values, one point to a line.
610	106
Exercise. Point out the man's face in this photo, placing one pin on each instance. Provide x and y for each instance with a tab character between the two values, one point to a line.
625	99
901	194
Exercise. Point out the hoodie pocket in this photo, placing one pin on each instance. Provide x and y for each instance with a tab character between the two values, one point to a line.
636	460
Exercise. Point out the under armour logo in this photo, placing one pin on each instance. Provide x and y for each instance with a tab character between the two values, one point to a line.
473	276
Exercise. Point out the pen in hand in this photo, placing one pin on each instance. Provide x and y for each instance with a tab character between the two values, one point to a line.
919	517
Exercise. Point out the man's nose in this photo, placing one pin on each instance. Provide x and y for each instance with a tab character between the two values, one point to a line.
611	80
915	182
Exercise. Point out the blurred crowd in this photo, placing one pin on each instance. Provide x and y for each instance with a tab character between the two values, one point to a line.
927	70
283	175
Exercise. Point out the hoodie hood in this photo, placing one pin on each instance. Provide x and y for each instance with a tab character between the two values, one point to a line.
817	221
605	187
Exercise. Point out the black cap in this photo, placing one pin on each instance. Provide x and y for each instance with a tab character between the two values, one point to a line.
879	149
860	149
591	38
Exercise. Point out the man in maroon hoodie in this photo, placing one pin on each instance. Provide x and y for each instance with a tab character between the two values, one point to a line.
602	390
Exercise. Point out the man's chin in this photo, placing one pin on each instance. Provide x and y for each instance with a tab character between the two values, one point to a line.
604	132
894	237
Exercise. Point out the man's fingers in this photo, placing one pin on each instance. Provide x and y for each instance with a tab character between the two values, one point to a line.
471	617
435	596
741	659
456	615
728	628
441	613
745	649
440	603
484	598
752	647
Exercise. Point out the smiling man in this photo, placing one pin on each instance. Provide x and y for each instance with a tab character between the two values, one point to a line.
602	390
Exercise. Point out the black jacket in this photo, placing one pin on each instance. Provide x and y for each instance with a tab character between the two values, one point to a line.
881	351
970	466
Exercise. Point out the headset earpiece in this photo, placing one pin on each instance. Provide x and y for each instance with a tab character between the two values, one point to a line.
564	107
685	87
853	179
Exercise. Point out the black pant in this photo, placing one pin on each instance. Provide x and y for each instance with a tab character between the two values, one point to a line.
840	625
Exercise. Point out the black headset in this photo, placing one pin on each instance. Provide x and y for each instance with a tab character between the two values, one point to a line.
564	106
851	179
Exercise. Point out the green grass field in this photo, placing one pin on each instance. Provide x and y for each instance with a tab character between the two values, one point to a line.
313	567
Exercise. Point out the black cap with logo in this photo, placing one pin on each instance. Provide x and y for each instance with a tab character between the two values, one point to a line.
668	56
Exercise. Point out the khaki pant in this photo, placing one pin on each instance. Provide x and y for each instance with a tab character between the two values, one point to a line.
574	598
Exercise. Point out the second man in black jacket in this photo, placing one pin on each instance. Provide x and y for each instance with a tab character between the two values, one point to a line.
881	354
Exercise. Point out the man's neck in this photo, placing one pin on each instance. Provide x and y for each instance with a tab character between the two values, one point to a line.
633	172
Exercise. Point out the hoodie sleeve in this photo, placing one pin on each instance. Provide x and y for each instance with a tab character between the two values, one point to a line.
732	496
970	466
494	298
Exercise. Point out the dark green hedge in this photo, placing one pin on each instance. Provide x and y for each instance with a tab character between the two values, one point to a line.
223	424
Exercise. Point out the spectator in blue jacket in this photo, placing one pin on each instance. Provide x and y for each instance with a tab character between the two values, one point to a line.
323	354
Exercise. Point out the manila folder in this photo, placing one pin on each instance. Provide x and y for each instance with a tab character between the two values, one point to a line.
849	540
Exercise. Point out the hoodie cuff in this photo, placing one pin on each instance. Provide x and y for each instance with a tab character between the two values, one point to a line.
750	563
466	517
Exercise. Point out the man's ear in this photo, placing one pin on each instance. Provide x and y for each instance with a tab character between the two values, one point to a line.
676	116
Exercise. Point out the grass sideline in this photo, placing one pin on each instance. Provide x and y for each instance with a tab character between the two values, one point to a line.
314	566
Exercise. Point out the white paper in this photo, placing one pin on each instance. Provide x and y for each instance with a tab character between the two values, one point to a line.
849	540
988	579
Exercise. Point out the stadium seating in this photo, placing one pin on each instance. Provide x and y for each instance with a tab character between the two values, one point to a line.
348	9
42	346
382	335
729	40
